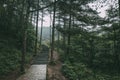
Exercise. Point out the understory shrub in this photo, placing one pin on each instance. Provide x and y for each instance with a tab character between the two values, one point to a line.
9	60
76	71
80	71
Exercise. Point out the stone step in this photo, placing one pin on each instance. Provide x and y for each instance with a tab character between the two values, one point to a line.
35	72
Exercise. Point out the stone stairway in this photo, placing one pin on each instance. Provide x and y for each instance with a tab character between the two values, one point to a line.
38	69
41	58
35	72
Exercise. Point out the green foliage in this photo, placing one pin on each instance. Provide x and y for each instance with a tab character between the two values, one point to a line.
79	71
11	36
52	63
76	71
93	52
9	60
30	38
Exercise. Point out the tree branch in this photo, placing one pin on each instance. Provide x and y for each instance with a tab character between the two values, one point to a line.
44	7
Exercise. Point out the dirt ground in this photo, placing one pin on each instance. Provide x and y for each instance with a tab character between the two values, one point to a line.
54	72
12	76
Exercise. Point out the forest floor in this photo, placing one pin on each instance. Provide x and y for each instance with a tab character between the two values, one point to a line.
54	71
14	74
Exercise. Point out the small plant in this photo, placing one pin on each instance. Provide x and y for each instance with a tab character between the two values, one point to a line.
52	63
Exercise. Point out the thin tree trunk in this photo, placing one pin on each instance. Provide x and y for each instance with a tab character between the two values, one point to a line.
23	46
31	18
41	29
58	33
36	41
115	50
24	51
58	41
53	31
25	26
64	38
70	20
50	27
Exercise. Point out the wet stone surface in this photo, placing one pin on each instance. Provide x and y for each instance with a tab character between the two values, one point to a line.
36	72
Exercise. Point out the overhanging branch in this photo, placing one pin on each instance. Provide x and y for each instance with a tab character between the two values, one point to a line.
43	7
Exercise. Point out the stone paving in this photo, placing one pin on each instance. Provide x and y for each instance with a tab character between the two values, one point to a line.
36	72
38	69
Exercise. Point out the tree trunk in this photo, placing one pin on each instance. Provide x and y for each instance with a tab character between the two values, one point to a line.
36	41
41	29
25	26
23	40
116	58
58	33
50	26
64	38
53	31
70	20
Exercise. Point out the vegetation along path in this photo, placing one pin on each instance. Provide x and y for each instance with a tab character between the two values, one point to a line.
38	69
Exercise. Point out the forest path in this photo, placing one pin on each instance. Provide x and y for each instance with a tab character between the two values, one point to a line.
54	71
38	69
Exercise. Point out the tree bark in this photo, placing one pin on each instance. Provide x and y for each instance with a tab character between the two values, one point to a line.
53	31
25	26
70	20
41	29
64	37
36	41
50	26
58	33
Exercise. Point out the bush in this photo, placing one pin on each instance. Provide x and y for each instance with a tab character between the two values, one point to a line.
9	60
79	71
76	71
68	71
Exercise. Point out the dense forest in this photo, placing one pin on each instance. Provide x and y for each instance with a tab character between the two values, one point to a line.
88	44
